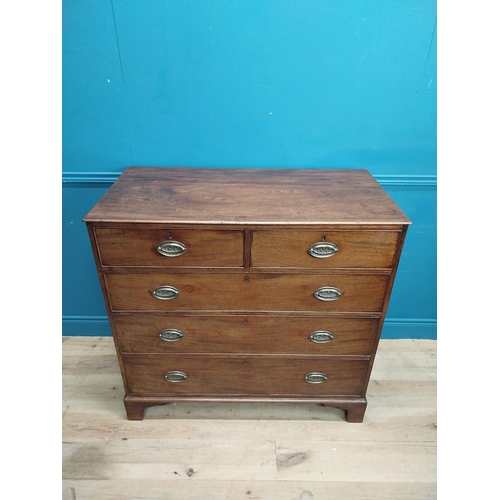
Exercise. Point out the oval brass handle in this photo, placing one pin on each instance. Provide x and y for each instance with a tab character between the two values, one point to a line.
170	335
171	248
328	293
323	249
321	337
315	378
165	292
175	376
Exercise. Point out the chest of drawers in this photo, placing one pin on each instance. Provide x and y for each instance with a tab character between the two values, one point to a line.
246	284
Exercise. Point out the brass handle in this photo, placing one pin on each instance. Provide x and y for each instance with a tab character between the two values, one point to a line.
165	292
328	293
175	376
315	378
323	249
170	335
321	337
171	248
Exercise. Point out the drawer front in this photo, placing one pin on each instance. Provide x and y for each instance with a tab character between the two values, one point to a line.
178	248
243	375
153	333
334	249
231	291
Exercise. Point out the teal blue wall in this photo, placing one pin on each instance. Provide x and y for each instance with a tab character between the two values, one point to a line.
257	83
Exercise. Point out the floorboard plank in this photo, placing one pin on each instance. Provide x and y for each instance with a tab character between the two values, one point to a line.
195	489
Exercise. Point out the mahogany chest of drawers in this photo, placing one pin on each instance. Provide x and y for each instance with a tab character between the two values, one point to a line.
246	284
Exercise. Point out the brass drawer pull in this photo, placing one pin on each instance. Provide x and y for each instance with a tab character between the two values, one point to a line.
175	376
323	249
171	248
165	292
328	293
170	335
315	378
321	337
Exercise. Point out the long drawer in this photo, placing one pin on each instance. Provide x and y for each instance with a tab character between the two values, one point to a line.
237	291
243	375
141	246
324	249
250	334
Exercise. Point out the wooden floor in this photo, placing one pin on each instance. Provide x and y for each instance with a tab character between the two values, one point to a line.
244	451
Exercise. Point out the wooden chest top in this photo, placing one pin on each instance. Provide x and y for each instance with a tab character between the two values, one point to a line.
247	196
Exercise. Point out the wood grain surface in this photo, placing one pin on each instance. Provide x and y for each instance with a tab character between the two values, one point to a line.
237	451
246	334
356	249
137	246
239	291
243	375
257	196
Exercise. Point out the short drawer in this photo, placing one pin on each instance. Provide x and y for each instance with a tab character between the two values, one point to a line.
140	246
250	334
243	375
326	250
256	292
